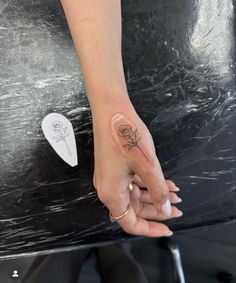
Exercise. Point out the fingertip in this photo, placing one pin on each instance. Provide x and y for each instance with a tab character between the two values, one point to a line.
169	234
170	183
176	213
172	186
177	189
174	199
179	200
180	213
161	230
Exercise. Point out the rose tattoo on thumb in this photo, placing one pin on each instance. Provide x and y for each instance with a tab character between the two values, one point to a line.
128	135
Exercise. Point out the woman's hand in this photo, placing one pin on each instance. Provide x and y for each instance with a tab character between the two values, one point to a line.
124	150
125	153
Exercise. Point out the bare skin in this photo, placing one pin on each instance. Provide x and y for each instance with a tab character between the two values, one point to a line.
124	151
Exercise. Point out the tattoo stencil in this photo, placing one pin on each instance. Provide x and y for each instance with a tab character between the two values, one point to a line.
61	133
58	131
131	136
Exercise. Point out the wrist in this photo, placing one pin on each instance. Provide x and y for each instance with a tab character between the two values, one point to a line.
107	103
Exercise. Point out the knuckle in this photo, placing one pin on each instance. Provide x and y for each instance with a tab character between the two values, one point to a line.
103	195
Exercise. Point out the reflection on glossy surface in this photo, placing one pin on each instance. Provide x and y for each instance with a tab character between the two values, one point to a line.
179	59
212	37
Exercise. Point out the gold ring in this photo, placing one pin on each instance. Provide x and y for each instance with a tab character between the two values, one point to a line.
113	219
131	186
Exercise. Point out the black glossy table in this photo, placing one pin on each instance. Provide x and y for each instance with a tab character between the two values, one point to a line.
179	58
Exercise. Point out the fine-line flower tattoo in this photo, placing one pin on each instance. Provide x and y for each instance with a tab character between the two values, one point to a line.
61	132
131	136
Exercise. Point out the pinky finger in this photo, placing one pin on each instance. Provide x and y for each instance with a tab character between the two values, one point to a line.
133	224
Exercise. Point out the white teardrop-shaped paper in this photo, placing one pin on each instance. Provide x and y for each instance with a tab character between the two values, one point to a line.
59	132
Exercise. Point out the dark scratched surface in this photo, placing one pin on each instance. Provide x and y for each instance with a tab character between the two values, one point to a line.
179	59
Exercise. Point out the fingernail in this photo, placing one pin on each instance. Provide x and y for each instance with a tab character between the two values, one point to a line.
166	208
169	234
177	189
180	213
178	200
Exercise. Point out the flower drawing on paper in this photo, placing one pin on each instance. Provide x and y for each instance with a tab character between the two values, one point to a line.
131	136
61	133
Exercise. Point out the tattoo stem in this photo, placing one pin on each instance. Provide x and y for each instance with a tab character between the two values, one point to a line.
142	152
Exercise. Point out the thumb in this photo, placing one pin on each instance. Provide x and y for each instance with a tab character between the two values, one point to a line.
135	143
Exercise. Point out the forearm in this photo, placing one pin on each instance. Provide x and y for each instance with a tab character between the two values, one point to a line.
95	26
